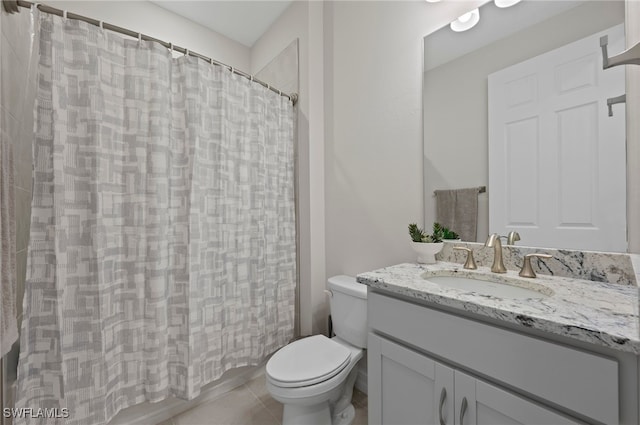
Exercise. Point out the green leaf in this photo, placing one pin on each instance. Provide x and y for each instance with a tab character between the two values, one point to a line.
416	233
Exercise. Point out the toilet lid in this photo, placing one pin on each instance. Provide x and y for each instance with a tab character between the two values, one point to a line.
307	361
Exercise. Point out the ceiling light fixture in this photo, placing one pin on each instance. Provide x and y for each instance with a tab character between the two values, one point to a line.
506	3
466	21
433	1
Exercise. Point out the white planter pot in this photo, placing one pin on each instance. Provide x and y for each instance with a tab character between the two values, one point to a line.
426	251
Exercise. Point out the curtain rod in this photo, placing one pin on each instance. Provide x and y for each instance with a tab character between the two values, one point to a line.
12	7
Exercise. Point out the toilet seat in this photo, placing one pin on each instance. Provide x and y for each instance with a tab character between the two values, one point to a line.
307	361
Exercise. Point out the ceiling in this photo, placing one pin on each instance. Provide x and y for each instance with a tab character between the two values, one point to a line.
495	23
244	21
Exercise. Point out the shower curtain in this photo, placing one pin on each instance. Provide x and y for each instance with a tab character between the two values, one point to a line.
162	247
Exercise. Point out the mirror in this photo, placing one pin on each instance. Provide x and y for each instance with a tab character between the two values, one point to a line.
456	105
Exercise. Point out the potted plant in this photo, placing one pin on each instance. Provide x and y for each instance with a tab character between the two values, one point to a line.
445	234
426	246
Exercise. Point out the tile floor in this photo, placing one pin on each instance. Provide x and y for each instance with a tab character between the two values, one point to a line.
250	404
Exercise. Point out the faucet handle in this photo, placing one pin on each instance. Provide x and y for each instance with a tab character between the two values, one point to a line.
470	264
527	270
513	237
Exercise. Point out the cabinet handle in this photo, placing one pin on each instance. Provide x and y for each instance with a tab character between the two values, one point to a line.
443	398
463	410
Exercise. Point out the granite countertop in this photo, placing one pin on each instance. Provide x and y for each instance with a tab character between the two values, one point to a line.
595	312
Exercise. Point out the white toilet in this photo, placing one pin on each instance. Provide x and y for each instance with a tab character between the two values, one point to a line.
314	376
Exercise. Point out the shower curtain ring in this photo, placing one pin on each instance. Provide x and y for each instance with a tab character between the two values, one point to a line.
232	70
211	61
64	14
100	25
186	52
171	47
35	6
139	37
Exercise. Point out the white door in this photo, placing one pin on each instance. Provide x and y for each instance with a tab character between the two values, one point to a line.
556	159
406	387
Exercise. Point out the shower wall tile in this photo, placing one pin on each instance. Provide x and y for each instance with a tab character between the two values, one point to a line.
10	128
16	113
8	27
15	30
23	173
17	92
21	270
12	97
26	136
23	218
22	140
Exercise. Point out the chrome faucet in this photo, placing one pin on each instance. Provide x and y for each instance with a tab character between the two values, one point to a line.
493	241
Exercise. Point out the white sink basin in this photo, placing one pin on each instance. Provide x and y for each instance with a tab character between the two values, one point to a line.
502	290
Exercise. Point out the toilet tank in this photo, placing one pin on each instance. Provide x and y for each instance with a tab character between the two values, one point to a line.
348	303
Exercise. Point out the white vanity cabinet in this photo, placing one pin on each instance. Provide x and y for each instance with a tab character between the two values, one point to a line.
408	387
418	356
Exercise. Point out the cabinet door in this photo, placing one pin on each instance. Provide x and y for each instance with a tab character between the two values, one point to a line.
479	403
406	387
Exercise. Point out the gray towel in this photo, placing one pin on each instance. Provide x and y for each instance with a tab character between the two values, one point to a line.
8	322
458	211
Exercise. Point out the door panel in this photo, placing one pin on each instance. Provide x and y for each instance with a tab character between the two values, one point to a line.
490	405
410	386
495	406
522	164
577	166
407	394
488	415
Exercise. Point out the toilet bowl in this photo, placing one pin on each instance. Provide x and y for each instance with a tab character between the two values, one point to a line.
314	376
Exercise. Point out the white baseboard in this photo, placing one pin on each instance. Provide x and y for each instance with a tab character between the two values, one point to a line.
155	413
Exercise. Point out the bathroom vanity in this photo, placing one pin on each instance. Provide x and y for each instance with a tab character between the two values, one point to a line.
445	355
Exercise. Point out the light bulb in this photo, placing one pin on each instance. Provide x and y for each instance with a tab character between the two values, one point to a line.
464	18
505	3
466	21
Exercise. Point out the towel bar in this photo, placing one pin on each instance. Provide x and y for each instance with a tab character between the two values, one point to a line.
630	56
481	189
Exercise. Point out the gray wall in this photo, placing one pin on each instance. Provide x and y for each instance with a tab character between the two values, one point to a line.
455	100
282	70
